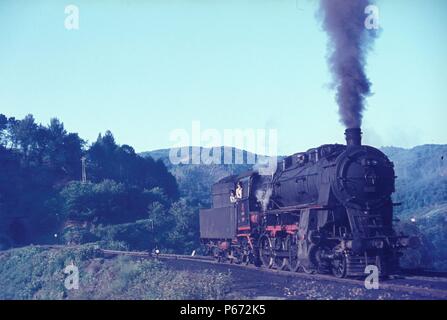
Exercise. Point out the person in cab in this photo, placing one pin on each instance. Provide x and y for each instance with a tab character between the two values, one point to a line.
239	191
233	197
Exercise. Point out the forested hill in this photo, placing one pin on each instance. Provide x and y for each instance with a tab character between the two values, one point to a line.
194	180
421	175
421	172
123	199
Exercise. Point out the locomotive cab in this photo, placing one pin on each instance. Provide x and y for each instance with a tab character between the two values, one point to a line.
228	224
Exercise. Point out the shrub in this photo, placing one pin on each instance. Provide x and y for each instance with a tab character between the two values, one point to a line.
36	273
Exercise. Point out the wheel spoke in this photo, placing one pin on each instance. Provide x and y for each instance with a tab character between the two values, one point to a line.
292	249
339	266
266	252
281	263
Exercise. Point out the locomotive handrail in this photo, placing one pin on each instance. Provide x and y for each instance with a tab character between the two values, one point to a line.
298	207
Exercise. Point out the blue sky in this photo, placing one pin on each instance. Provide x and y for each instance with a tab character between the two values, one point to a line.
144	68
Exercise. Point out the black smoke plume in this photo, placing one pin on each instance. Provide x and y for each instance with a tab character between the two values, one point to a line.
350	41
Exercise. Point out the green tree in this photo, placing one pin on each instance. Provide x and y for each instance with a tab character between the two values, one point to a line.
185	232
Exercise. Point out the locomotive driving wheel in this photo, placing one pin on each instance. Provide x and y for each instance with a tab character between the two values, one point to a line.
291	246
309	270
280	260
246	254
339	266
311	266
266	252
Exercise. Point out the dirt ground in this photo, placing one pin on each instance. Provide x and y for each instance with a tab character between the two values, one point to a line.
254	284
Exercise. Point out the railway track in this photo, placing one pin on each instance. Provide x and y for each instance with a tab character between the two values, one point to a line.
404	284
412	284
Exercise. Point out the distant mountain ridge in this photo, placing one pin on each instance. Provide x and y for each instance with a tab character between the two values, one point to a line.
244	157
421	176
195	180
421	172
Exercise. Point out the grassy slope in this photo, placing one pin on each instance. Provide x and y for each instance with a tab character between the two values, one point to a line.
36	273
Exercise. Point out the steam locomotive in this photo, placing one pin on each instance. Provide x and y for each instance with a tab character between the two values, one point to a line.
327	210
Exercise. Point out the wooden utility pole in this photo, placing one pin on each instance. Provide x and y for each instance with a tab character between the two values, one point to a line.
84	171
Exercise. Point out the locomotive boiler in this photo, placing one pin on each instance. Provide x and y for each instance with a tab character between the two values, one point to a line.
325	210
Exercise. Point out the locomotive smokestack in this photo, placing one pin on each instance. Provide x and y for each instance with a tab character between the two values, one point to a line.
353	137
